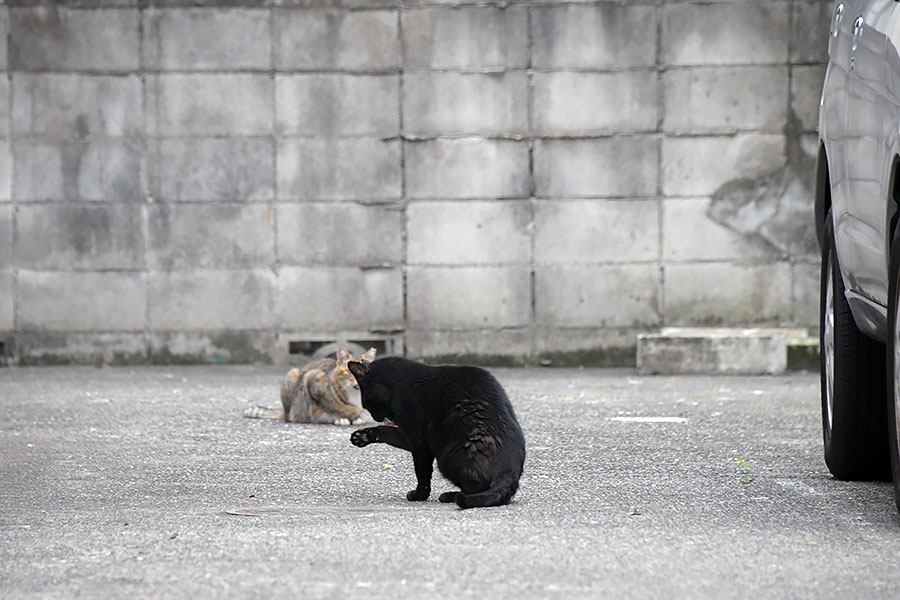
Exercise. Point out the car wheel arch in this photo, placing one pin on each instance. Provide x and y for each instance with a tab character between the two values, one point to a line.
893	214
822	193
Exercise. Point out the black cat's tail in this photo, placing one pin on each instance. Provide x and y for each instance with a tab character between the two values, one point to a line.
501	492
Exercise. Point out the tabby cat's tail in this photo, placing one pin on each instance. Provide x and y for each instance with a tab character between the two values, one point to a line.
501	492
261	412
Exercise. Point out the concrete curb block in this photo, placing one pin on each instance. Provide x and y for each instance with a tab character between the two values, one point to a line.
719	351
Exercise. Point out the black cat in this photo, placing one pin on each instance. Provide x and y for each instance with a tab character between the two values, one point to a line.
457	415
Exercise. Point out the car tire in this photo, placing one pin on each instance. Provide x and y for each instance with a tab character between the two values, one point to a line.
893	364
853	376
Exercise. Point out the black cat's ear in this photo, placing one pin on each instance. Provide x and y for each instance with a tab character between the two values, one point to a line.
358	369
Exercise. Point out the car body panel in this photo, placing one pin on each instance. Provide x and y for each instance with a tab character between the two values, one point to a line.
859	125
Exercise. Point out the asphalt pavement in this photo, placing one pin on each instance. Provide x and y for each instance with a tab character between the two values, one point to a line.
148	483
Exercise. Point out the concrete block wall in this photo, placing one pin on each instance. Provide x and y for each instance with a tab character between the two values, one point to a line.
509	182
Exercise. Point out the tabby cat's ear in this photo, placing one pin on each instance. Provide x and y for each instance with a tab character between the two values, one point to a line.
359	370
369	355
343	355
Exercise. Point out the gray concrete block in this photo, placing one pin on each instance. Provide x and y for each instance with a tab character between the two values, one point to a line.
458	3
805	287
724	34
466	38
579	103
83	3
206	39
810	26
6	237
337	40
467	168
597	296
691	234
327	299
709	99
53	38
504	347
593	36
340	234
596	231
698	166
84	301
336	105
216	169
350	4
192	236
606	167
211	300
460	103
585	346
806	90
5	97
721	294
210	104
217	347
218	4
95	349
39	171
441	298
468	233
99	169
75	106
7	301
701	351
65	236
5	171
338	169
104	169
4	33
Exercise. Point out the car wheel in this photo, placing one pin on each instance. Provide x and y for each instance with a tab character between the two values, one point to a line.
893	365
854	410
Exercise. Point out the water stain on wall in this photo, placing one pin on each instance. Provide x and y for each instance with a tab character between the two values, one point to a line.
776	209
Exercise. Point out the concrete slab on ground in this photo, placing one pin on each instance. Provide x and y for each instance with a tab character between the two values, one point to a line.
711	351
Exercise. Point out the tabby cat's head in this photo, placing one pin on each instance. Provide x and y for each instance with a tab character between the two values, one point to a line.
341	377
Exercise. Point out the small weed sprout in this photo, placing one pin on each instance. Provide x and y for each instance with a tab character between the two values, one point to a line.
747	469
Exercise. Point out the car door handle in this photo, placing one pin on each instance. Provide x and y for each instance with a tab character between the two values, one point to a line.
858	27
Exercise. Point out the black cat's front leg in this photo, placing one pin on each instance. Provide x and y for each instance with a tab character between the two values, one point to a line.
424	464
381	434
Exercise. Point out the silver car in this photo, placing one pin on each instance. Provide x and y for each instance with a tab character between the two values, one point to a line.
857	195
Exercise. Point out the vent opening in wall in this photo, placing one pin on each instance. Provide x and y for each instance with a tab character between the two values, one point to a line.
382	347
304	347
322	349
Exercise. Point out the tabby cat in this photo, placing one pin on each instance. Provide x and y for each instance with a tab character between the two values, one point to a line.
322	391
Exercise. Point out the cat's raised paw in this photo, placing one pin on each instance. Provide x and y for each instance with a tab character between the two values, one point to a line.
362	437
